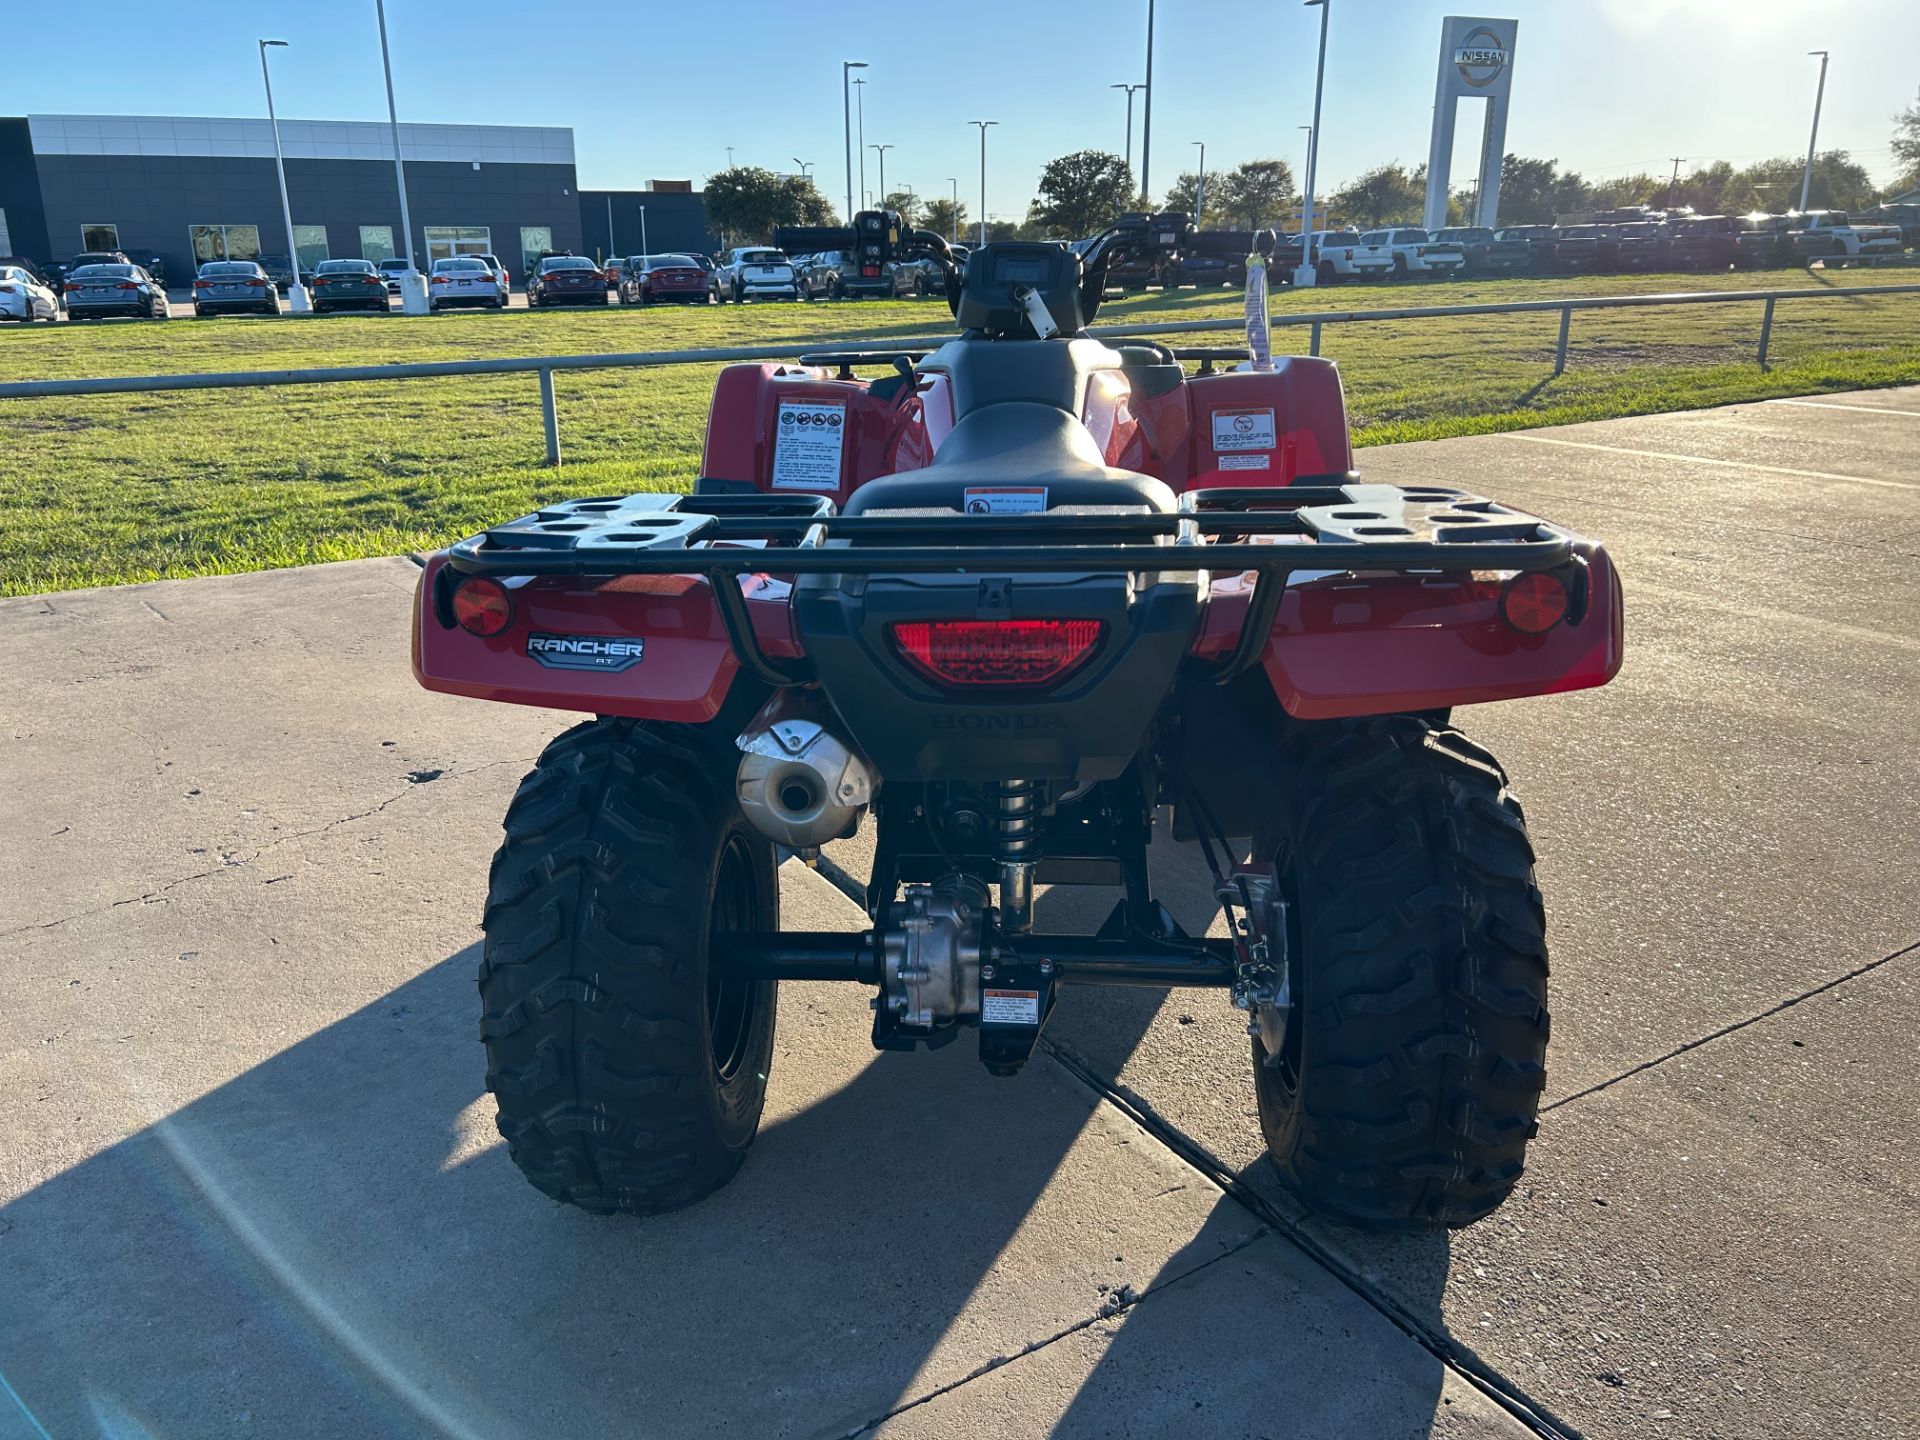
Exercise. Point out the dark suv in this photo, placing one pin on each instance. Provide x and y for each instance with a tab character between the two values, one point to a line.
1488	253
1763	242
1705	242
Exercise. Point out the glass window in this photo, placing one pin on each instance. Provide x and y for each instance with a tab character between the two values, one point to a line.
448	240
310	246
376	242
6	237
535	241
99	237
224	242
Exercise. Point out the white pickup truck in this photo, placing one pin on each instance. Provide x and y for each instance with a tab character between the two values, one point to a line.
1415	252
1345	255
1817	233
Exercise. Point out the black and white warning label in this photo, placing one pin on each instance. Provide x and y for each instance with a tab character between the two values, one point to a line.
1243	430
807	449
1009	1007
1005	499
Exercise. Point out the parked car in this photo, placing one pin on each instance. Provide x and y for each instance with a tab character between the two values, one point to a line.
1907	217
42	274
391	269
1585	247
565	280
1487	253
652	279
241	285
1542	248
1764	242
818	274
500	275
97	291
924	277
1704	242
755	270
25	297
348	285
463	280
99	257
1832	233
1342	255
279	270
1207	271
1415	252
1643	245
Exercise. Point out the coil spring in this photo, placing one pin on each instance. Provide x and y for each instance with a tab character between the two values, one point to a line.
1015	804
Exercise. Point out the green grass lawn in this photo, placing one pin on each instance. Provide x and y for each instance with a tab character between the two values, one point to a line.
111	489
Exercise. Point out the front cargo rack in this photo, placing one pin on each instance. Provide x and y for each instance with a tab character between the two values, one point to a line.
1274	532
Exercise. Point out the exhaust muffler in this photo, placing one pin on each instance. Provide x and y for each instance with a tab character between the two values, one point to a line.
799	783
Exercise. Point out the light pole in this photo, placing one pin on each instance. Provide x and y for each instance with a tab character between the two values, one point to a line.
1200	186
1129	89
846	124
983	124
643	231
609	225
1806	177
1306	274
953	224
1146	125
1306	164
297	296
729	157
860	136
882	151
413	289
805	166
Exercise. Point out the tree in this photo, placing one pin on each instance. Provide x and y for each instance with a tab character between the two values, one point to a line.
1257	195
1838	184
1906	148
907	203
1535	192
744	204
945	216
1624	190
1386	196
1182	194
1081	193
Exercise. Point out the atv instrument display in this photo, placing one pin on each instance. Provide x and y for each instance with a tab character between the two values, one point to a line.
1021	605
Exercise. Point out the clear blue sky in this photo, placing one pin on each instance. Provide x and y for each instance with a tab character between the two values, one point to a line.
660	90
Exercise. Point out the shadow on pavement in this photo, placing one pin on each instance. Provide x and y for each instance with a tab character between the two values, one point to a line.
336	1243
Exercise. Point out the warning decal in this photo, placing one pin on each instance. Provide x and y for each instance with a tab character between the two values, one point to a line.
1243	430
1009	1007
1245	462
1006	500
807	448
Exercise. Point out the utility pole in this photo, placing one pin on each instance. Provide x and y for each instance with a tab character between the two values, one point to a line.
846	125
1146	126
860	120
983	124
296	297
1129	89
1806	177
1674	183
953	226
1308	273
1200	186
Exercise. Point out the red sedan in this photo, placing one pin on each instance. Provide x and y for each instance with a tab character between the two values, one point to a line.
651	279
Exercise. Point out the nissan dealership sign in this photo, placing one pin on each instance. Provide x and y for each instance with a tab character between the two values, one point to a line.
1481	59
1476	63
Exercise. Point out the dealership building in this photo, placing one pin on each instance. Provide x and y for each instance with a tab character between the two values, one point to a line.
185	191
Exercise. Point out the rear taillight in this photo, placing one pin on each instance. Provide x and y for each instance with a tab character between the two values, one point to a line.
198	285
482	606
126	285
997	652
869	272
1533	604
70	287
257	283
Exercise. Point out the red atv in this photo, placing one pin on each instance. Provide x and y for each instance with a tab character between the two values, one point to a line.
1005	604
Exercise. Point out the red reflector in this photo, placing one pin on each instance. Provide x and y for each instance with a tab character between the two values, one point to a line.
482	606
1534	603
997	652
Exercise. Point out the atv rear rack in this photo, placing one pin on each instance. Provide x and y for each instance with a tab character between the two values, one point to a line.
1275	532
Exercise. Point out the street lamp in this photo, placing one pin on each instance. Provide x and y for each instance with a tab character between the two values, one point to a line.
882	150
1200	185
805	165
983	124
297	296
1306	167
1806	177
860	137
846	122
1129	89
953	223
1306	274
1146	125
644	249
413	289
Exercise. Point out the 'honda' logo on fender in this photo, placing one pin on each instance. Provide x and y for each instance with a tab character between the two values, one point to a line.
585	652
971	720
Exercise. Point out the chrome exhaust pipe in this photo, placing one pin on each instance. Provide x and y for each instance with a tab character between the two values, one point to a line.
799	784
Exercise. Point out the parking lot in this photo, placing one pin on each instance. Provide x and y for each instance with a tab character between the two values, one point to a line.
250	1182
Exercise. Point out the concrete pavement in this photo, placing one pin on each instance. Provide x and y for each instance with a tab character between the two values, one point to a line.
250	1183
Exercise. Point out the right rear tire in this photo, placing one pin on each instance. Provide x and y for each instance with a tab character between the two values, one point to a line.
629	1071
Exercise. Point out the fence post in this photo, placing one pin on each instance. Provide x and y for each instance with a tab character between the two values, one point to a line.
551	416
1313	348
1560	351
1766	331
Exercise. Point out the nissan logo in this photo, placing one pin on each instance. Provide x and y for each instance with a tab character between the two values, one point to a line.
1480	57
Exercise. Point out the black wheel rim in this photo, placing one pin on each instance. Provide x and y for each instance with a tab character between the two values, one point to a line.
733	1000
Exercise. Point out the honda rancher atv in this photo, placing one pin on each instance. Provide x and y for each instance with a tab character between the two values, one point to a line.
1007	604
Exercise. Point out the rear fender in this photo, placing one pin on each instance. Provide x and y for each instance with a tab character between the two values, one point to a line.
881	427
1268	427
686	665
1352	645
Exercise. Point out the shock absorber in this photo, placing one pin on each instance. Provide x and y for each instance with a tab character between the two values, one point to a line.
1017	841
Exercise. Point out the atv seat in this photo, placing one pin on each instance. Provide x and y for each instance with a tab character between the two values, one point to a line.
1014	442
